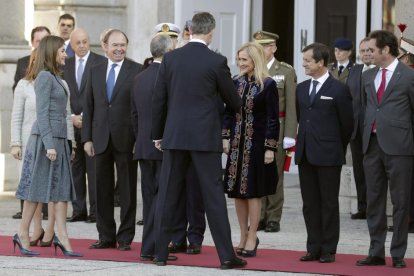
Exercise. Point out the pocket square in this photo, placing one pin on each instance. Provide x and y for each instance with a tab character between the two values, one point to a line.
326	98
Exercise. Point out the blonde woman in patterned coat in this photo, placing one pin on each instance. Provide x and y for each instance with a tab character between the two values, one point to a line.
250	140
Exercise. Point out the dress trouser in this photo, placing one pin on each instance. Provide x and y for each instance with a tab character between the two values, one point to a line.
358	167
127	181
319	187
172	187
382	170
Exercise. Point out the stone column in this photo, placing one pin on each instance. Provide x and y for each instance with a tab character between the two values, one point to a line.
13	46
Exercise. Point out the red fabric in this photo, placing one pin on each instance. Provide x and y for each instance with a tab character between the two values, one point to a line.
266	259
380	93
288	158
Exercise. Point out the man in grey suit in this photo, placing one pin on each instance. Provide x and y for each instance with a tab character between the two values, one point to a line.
76	71
388	145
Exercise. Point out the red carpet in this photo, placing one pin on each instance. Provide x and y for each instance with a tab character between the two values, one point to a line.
266	260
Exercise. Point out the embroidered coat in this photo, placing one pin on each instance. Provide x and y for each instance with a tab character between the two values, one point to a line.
252	131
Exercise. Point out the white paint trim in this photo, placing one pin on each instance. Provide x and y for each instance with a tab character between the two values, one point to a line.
376	15
361	25
304	26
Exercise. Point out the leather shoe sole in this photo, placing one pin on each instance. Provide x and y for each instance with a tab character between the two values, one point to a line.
193	249
327	258
371	261
233	263
359	215
102	245
398	262
177	248
272	227
310	257
123	246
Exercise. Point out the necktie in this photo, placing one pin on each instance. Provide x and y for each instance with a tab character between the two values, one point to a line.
313	91
341	68
110	82
380	93
381	87
79	73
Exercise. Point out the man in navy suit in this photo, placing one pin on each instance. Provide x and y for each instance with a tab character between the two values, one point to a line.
187	126
75	74
324	111
66	24
108	135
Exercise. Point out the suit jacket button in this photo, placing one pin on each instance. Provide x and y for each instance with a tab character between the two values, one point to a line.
110	106
377	109
310	108
307	121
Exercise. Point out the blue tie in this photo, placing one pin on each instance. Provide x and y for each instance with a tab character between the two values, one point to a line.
79	73
110	82
313	92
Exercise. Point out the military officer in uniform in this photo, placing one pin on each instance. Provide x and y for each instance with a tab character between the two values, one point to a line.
285	77
343	51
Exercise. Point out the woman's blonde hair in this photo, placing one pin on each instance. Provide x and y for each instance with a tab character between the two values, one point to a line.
256	53
29	71
46	56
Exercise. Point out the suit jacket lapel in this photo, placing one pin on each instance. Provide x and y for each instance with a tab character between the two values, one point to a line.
88	63
324	87
394	79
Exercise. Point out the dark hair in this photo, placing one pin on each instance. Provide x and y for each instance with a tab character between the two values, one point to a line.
38	29
46	55
385	38
320	52
111	31
203	23
67	16
365	39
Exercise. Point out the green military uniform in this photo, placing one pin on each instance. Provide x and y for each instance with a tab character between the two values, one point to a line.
285	78
334	70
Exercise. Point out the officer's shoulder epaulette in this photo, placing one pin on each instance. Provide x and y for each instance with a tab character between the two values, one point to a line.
286	64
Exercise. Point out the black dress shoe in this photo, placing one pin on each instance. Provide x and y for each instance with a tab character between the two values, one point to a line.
124	246
140	222
261	226
78	217
272	227
91	219
194	248
371	260
359	215
233	263
398	262
145	257
390	228
309	257
327	258
177	247
18	215
102	244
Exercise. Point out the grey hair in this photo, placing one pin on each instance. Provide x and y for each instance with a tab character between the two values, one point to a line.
160	44
203	23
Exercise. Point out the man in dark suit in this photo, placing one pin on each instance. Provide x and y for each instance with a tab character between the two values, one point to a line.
358	104
324	112
388	145
149	158
76	71
22	63
108	135
66	24
187	119
343	64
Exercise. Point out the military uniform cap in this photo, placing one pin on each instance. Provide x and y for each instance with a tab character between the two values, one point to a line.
343	44
263	37
407	45
167	29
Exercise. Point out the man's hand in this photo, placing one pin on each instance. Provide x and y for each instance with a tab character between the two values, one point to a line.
226	146
16	151
157	144
88	148
269	157
77	121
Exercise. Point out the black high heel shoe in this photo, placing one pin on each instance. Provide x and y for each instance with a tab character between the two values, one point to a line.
239	251
48	243
251	253
23	251
35	242
57	243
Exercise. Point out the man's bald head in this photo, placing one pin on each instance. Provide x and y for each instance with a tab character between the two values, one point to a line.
79	41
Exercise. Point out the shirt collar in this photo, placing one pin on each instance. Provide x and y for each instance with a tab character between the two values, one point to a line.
110	62
269	64
345	64
323	78
198	40
85	57
392	66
